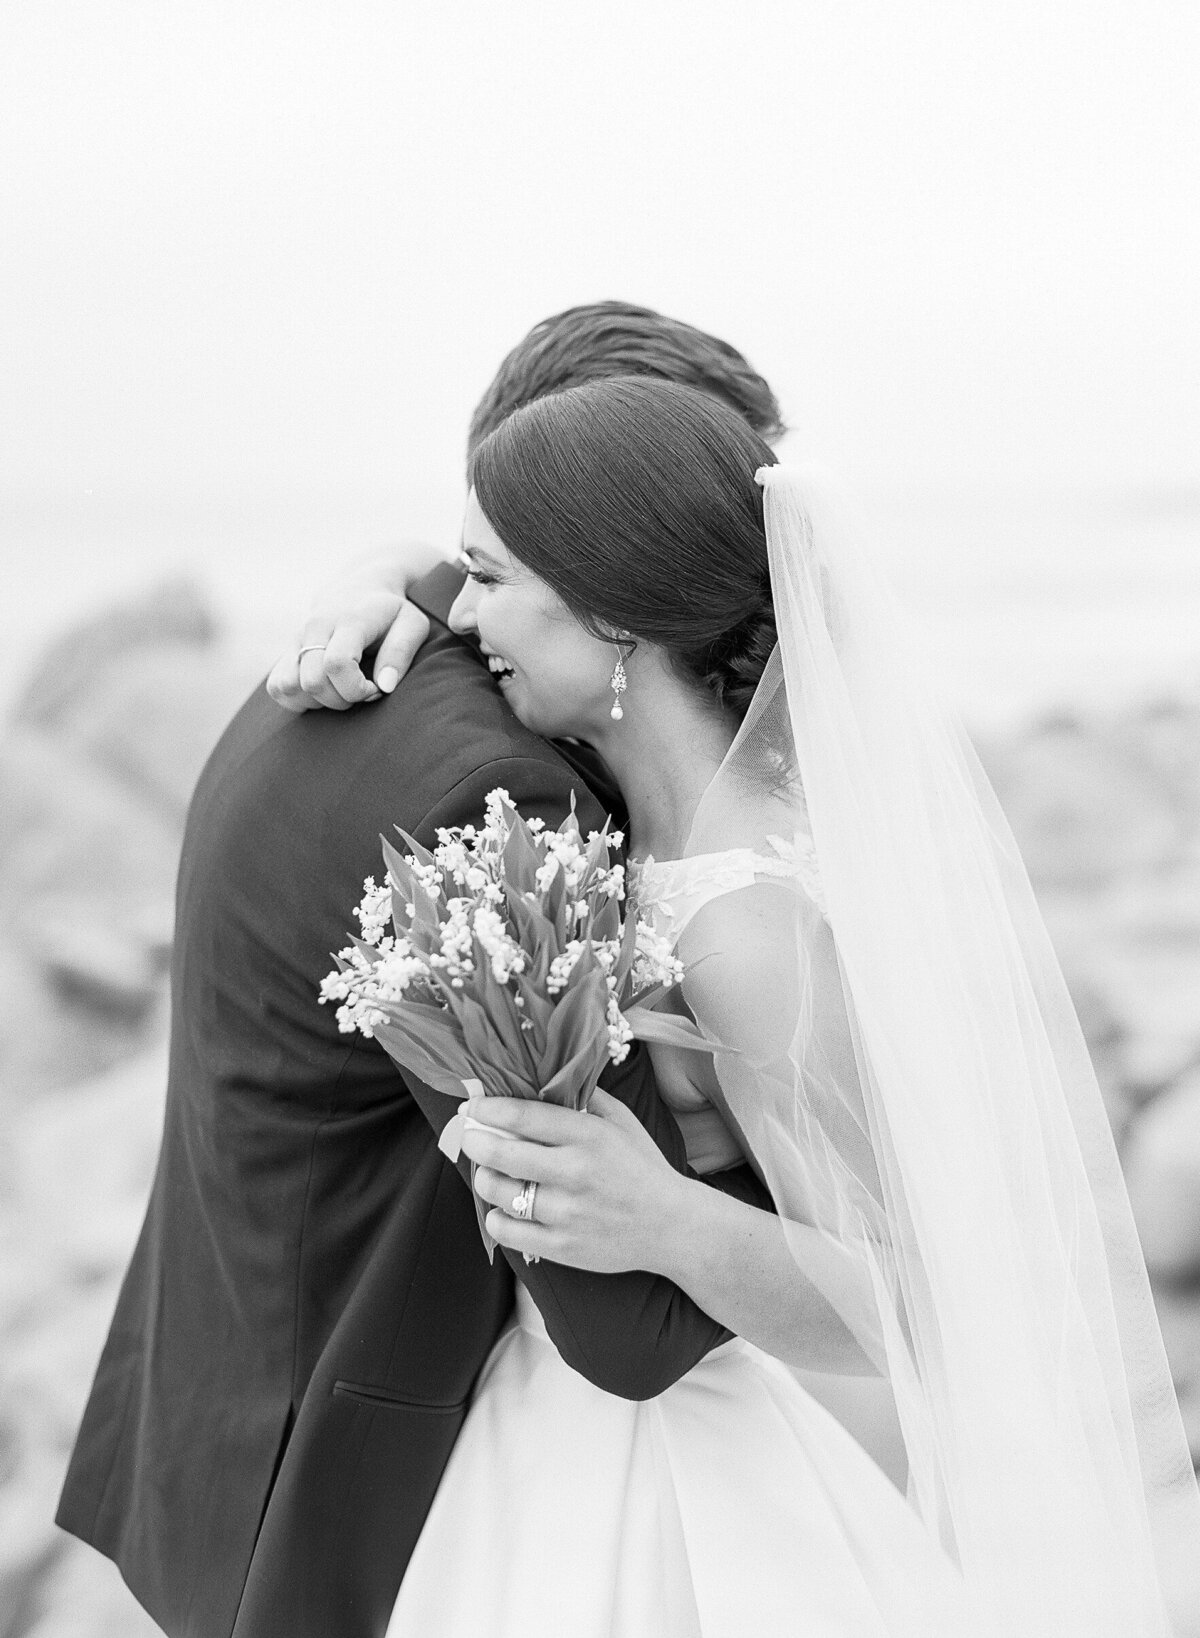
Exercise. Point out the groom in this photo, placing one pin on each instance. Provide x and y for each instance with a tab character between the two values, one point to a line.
309	1302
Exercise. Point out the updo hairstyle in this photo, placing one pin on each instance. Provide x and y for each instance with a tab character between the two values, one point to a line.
635	500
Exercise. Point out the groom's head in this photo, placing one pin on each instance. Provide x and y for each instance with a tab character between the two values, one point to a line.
609	338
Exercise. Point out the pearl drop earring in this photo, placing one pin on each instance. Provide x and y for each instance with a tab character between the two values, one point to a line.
618	682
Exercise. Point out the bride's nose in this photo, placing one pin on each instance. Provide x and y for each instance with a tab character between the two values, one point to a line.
462	611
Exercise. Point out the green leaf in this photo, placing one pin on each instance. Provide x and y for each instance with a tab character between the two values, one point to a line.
628	951
497	1001
537	1011
536	936
501	1075
522	857
573	1082
597	849
402	897
421	854
482	1207
426	920
606	921
579	1016
671	1030
436	1056
398	868
555	902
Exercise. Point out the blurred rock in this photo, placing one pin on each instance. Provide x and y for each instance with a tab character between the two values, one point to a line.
1107	812
95	776
96	769
81	1164
86	890
1162	1171
151	721
82	1596
1165	735
1082	804
174	614
1147	944
1107	1041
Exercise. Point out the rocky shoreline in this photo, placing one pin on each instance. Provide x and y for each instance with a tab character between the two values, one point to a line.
97	761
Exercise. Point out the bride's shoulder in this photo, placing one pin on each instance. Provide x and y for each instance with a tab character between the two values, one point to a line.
676	890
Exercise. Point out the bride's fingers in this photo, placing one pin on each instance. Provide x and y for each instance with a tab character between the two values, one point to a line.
603	1103
515	1158
500	1190
283	684
343	663
534	1240
547	1123
299	683
319	685
396	652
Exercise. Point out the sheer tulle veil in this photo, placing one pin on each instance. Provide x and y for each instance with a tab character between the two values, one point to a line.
936	1140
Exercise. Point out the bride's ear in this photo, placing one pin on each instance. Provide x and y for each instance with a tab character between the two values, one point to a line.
614	634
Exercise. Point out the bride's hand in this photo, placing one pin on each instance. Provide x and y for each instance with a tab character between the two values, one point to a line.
606	1197
363	603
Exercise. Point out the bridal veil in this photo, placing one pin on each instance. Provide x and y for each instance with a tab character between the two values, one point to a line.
915	1086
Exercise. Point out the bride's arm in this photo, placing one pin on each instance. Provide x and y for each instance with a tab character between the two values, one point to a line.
736	1264
605	1200
363	603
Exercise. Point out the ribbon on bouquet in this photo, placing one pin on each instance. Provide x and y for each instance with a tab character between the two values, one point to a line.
450	1141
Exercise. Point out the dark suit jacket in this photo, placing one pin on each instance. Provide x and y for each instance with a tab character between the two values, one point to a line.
309	1302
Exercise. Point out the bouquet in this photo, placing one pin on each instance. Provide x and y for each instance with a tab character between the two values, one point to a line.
501	964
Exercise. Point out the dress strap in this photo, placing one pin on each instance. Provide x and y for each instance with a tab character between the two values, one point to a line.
671	891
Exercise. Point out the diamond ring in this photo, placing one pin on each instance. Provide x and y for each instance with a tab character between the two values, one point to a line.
522	1205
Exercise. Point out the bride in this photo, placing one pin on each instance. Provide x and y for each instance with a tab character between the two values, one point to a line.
892	1049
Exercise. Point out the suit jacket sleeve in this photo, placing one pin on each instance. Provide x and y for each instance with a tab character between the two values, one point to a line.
636	1333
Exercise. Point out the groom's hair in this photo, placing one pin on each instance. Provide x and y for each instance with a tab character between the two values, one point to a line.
608	338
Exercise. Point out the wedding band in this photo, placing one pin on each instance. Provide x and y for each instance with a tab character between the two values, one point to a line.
311	649
522	1206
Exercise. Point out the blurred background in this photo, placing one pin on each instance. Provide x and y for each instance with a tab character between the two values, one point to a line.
259	260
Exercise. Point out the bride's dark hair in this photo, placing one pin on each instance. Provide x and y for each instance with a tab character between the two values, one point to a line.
636	501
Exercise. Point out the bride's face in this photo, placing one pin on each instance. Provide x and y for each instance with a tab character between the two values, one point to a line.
553	674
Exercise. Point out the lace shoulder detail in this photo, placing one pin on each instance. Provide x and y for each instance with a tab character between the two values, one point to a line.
670	892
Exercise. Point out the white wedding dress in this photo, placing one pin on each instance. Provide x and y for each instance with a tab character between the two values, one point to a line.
733	1505
895	1049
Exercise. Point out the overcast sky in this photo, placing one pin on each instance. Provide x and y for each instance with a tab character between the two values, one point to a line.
275	250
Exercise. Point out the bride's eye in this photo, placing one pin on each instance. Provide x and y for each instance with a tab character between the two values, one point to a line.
481	577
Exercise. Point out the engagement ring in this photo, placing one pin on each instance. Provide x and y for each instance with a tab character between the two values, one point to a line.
522	1206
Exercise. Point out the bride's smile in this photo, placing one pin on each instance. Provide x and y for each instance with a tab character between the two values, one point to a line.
558	680
553	673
